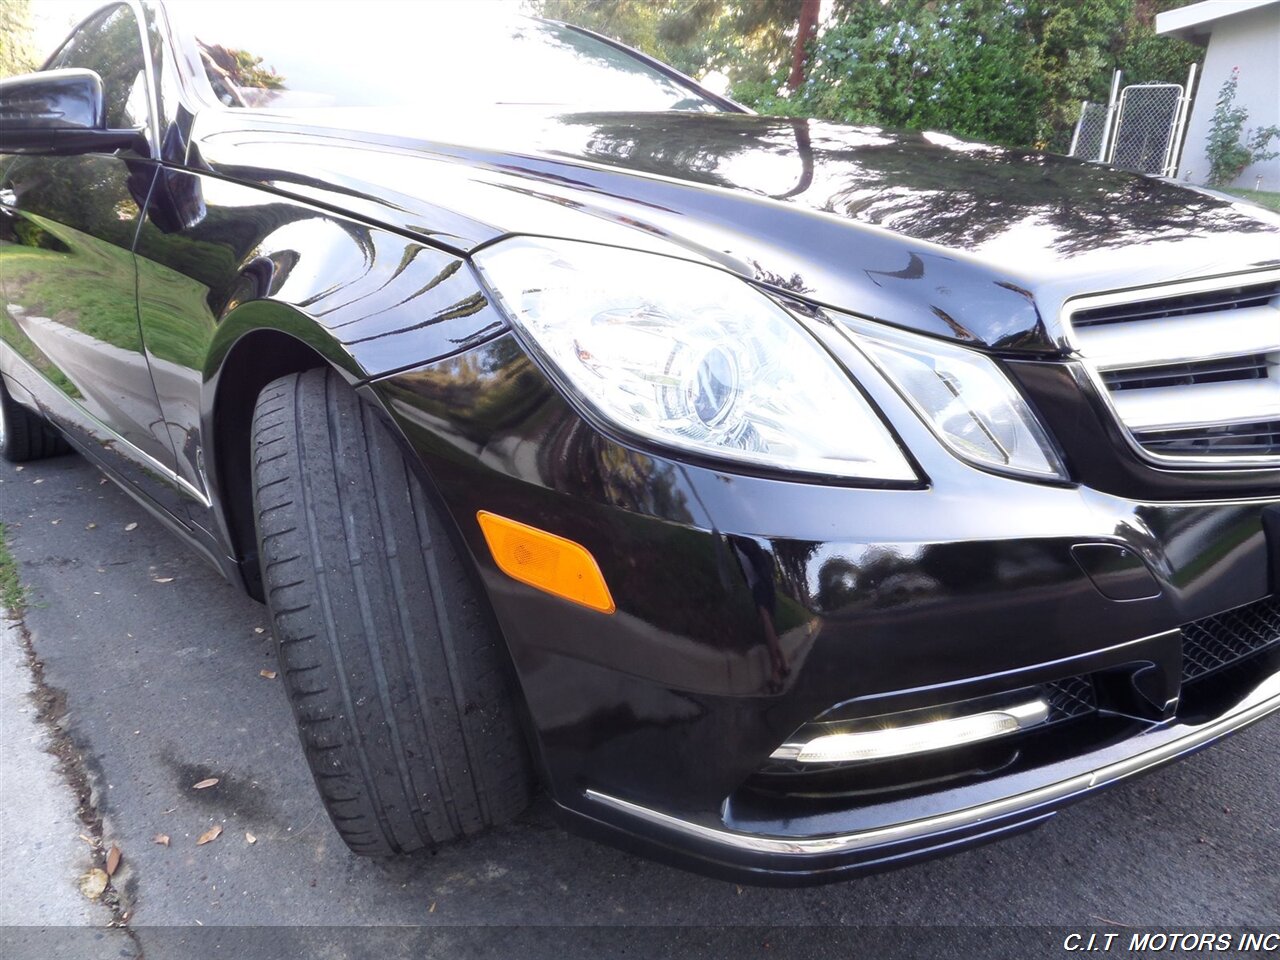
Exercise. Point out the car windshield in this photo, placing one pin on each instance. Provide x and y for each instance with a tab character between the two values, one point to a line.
439	55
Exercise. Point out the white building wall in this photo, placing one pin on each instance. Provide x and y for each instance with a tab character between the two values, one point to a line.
1250	41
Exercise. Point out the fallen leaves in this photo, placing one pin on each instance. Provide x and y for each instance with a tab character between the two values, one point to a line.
205	784
113	860
267	674
161	838
163	579
94	883
249	837
259	629
213	833
130	526
91	526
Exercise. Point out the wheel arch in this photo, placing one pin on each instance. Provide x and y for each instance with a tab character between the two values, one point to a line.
255	344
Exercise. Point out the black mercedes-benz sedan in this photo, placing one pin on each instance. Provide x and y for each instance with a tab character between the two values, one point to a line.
789	499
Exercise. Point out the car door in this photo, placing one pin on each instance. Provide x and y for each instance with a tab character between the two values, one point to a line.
69	273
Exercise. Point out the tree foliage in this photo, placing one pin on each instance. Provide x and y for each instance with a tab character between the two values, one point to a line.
17	52
1009	71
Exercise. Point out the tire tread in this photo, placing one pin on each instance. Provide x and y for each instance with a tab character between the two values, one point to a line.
394	669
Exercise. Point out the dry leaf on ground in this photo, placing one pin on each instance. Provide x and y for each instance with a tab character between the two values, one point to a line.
267	674
161	838
205	784
249	837
164	579
213	833
113	860
93	883
130	526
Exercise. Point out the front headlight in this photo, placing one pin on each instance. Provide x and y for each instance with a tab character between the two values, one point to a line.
689	357
965	399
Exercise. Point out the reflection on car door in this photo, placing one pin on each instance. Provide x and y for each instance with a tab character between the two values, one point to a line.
70	281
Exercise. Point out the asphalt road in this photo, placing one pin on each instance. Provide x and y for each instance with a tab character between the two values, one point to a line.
159	660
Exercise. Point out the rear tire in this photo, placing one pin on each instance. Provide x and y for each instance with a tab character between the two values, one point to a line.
25	435
397	674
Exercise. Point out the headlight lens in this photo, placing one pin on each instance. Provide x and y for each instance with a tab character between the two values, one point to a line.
690	357
965	399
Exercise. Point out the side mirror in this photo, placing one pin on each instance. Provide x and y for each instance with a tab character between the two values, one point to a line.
58	112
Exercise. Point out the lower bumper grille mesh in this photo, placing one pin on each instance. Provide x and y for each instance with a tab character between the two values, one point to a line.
1070	698
1216	642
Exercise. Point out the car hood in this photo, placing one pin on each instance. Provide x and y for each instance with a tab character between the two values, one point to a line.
970	241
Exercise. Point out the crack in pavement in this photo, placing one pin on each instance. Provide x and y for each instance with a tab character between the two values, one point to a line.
74	767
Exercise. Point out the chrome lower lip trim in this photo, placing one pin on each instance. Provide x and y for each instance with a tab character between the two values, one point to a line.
1264	699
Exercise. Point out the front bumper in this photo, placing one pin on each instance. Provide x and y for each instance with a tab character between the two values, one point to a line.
748	606
827	857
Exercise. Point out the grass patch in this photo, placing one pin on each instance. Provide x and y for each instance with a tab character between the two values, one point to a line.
1265	198
12	595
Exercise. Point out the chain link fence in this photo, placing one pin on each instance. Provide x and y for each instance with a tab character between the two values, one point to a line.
1141	130
1148	116
1091	132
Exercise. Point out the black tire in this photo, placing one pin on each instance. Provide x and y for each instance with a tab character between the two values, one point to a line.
397	674
25	435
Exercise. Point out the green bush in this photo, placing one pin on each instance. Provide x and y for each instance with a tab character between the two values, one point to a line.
1230	148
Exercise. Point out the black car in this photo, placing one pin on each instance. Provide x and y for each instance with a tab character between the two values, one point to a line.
791	499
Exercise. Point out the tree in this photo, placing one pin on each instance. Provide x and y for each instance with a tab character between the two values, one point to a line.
745	39
17	47
806	30
1011	71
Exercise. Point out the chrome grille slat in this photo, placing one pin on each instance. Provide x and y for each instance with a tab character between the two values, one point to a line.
1191	369
1145	343
1199	404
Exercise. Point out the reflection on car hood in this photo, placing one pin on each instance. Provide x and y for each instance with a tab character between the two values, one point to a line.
964	240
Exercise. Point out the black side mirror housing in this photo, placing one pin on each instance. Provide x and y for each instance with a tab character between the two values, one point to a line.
58	112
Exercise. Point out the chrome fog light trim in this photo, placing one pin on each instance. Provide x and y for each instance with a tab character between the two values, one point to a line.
916	737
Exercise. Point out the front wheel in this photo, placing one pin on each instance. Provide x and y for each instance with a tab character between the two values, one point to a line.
397	674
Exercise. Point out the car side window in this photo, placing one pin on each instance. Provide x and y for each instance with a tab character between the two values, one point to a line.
111	46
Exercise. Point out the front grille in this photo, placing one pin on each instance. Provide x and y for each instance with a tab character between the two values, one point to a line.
1192	370
1219	641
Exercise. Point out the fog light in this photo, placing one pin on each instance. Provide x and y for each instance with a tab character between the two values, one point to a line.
880	744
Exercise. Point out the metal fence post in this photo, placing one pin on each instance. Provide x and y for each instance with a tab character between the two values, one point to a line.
1177	138
1075	136
1103	155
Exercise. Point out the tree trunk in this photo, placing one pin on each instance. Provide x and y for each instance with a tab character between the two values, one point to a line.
807	30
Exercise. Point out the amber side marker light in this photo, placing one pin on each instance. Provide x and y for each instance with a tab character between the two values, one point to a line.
545	561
